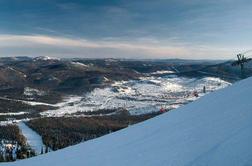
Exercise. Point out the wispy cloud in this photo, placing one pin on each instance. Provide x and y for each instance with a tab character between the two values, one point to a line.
131	29
37	45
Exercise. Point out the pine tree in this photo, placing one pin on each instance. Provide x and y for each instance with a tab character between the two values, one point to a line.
28	153
46	150
42	150
2	158
204	89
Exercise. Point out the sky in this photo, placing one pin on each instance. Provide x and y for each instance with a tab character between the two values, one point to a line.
141	29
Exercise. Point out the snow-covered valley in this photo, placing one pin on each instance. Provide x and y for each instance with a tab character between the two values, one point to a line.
143	96
148	94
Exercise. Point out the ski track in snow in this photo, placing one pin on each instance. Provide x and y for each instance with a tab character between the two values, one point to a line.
33	138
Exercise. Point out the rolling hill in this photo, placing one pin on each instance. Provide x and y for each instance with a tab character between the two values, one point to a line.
214	130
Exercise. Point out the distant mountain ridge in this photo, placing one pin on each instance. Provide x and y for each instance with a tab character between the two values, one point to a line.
74	76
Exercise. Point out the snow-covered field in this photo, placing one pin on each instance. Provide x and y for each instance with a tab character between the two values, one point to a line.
214	130
148	94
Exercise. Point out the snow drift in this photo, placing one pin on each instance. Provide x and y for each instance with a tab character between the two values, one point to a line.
214	130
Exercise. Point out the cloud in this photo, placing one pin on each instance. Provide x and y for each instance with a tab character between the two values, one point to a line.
40	45
133	29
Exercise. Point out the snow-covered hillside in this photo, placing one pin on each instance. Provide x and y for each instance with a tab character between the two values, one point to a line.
214	130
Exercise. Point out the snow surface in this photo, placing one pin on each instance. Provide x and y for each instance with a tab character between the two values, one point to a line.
79	64
33	138
163	72
215	130
45	58
13	113
32	91
141	96
27	102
